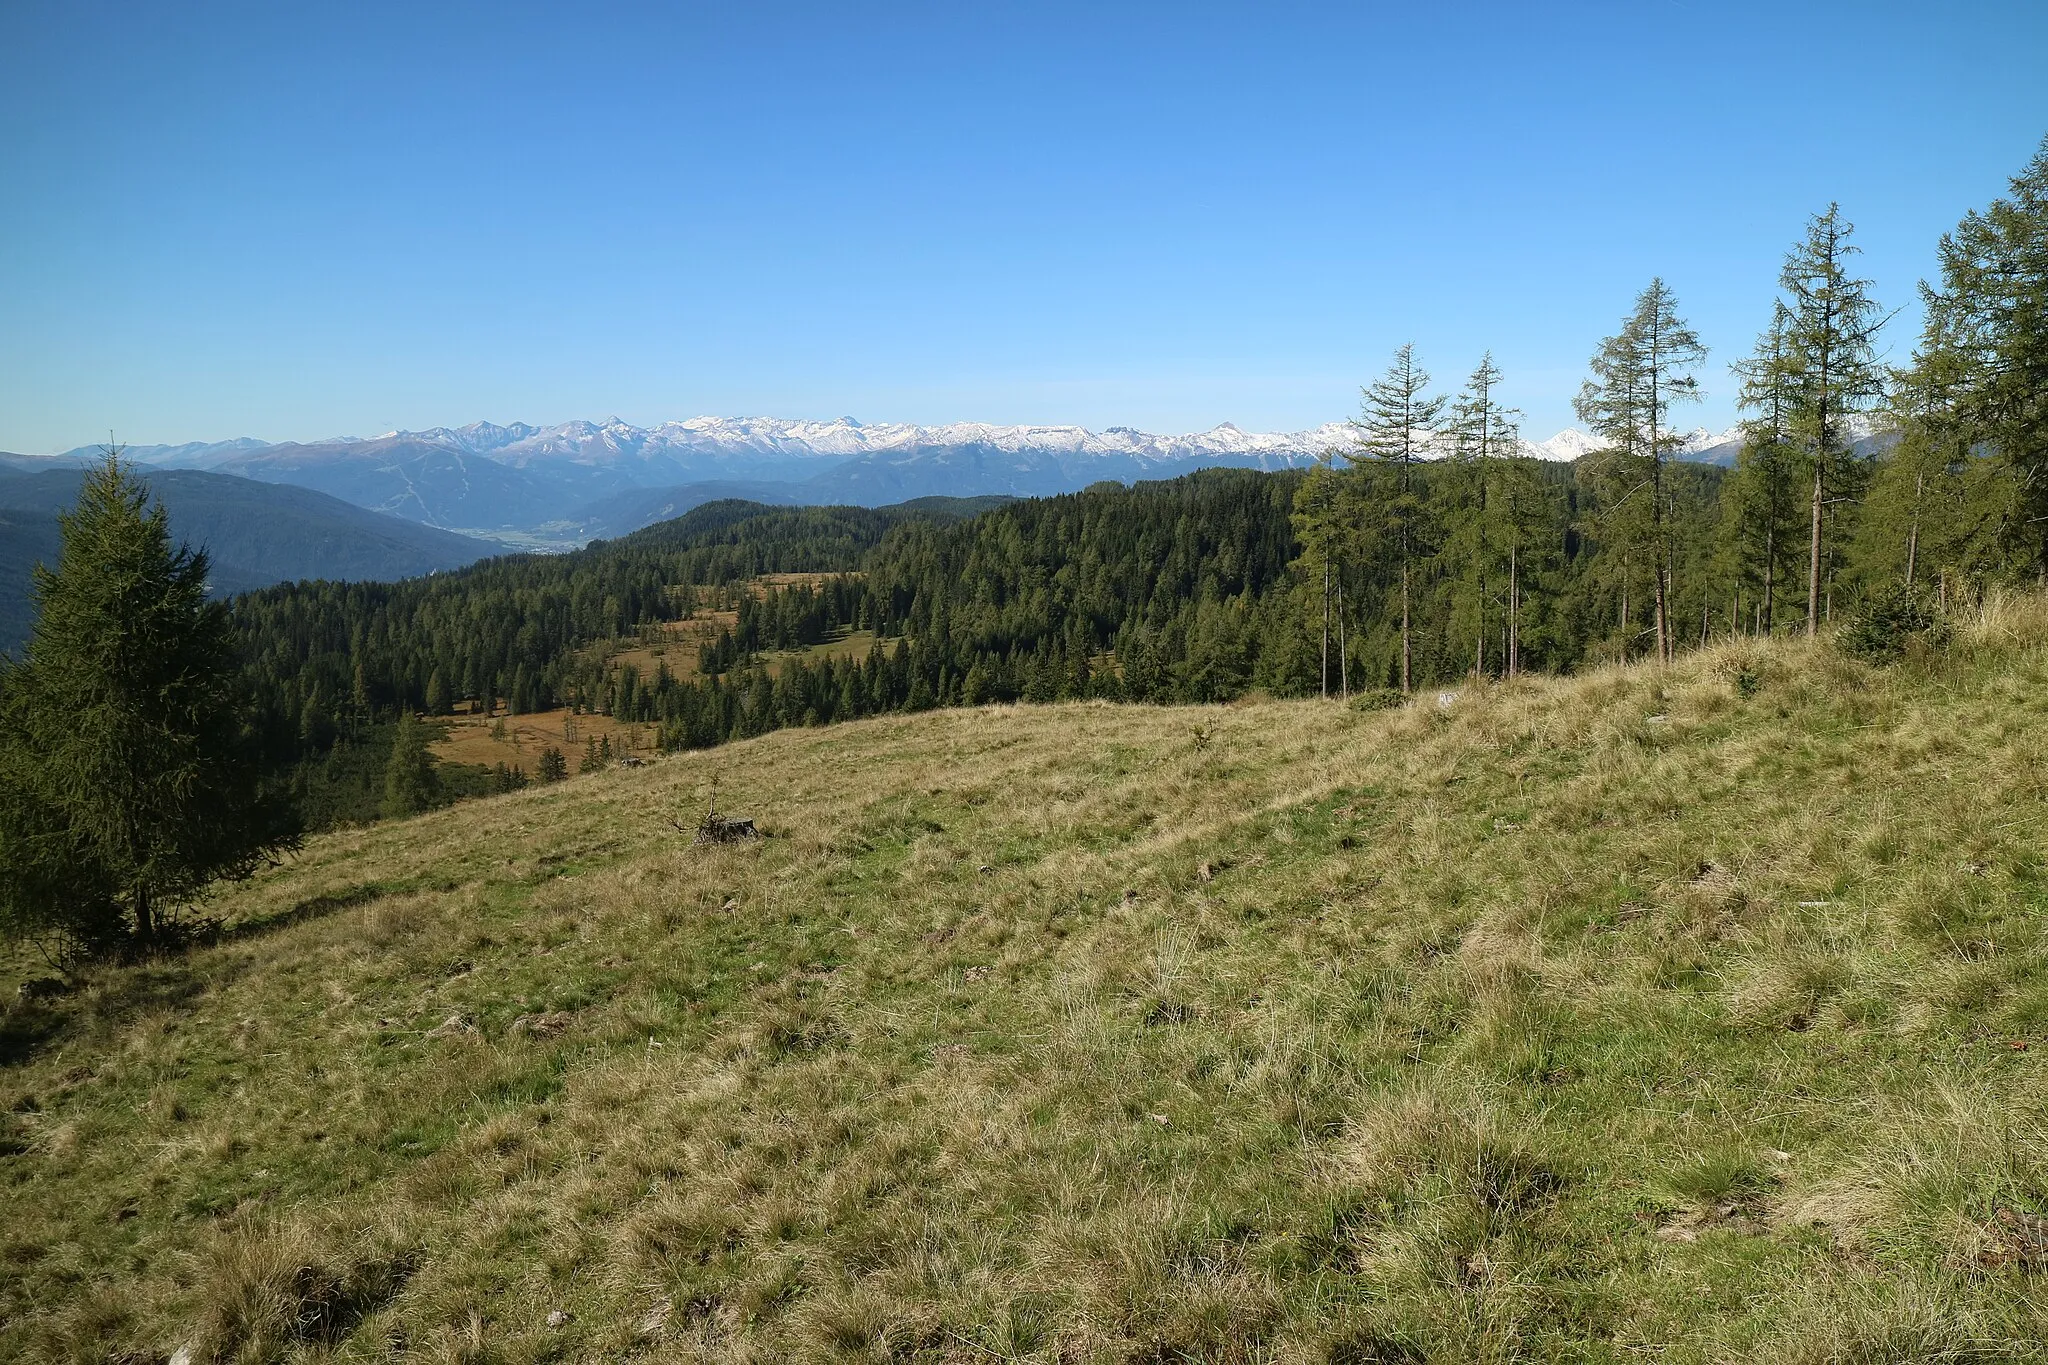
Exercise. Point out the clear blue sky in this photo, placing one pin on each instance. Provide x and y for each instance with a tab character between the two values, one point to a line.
295	221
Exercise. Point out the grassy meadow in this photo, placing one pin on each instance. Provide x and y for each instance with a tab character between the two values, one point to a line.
517	740
1692	1015
485	739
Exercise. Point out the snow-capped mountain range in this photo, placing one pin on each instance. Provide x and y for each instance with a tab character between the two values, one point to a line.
564	484
846	438
614	441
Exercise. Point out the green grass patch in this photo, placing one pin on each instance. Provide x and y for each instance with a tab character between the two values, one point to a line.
1525	1029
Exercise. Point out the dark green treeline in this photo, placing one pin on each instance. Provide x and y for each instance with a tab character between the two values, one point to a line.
1186	590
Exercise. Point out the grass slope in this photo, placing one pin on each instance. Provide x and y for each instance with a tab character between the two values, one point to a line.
1673	1015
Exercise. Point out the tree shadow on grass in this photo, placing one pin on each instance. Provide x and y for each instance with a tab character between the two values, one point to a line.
169	979
319	907
28	1027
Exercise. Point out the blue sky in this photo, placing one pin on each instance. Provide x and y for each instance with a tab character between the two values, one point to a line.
296	221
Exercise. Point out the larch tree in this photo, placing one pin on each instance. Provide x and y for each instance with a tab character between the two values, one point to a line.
1526	515
1831	346
1395	426
1761	494
129	767
1318	518
1483	436
1932	510
1987	328
1637	375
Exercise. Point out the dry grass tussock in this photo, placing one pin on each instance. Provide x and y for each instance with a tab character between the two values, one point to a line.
1699	1013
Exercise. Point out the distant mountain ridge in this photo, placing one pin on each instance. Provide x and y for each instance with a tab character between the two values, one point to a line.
555	487
255	534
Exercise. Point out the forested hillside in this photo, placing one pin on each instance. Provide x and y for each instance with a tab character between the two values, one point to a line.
328	660
1190	589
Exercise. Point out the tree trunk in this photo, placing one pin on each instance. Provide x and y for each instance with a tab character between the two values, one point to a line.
1768	607
1343	653
1813	556
1479	637
1404	626
1663	627
1407	554
1913	533
1624	611
1326	630
1514	615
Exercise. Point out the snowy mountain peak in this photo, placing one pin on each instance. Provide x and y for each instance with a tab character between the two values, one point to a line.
616	442
749	447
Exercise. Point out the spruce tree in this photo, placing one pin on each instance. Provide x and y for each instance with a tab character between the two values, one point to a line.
129	772
1395	425
1831	337
410	782
1637	375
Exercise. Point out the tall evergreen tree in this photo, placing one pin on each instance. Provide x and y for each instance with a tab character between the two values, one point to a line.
1526	522
1637	375
410	782
1484	438
1831	342
1987	337
1933	510
1320	528
129	774
1395	425
1762	500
